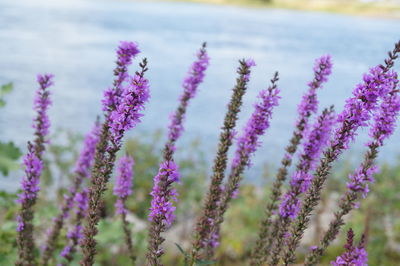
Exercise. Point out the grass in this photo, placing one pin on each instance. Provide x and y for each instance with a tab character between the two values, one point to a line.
352	7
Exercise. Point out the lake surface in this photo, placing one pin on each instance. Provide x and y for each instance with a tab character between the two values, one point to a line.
76	41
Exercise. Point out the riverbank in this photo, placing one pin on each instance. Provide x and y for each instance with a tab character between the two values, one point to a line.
371	9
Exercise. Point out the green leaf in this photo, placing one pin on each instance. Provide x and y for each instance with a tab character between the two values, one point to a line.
9	154
181	250
6	88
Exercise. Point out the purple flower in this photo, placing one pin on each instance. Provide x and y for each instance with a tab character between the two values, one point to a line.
123	184
385	117
21	224
161	205
125	53
259	121
33	169
127	114
30	182
249	63
316	139
84	163
75	234
309	103
358	108
354	255
41	103
190	84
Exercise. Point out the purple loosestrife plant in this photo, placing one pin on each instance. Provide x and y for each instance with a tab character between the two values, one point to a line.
125	53
384	124
247	145
307	106
162	210
33	169
354	255
315	141
203	228
75	234
82	171
356	114
119	119
122	189
190	84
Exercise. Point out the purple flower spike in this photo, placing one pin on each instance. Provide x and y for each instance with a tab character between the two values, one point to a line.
249	63
257	125
123	184
322	69
385	117
33	169
161	206
128	113
190	84
378	83
307	107
358	109
316	140
41	104
82	170
125	53
75	234
354	255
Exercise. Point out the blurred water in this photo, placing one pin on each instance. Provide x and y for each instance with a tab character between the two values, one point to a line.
76	40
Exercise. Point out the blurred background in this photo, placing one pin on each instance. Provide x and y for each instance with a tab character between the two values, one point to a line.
76	40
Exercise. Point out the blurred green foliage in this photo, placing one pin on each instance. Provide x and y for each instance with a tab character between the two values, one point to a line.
9	153
380	212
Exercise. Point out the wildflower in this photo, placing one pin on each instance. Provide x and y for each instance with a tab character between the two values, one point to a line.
123	184
33	169
81	171
162	209
354	255
307	106
247	144
356	114
75	234
385	117
203	226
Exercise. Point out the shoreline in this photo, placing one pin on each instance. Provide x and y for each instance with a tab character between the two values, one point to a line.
372	10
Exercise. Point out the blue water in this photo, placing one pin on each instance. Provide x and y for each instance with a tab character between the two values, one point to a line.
76	40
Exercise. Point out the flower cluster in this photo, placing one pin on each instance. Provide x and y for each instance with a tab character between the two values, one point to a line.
41	103
125	53
357	112
354	255
385	117
259	121
190	84
316	139
161	206
309	103
123	184
75	234
85	160
358	108
33	170
128	112
249	63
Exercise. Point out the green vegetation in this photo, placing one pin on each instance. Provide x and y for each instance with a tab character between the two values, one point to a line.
379	213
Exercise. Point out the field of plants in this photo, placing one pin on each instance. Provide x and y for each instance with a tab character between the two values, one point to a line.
103	199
